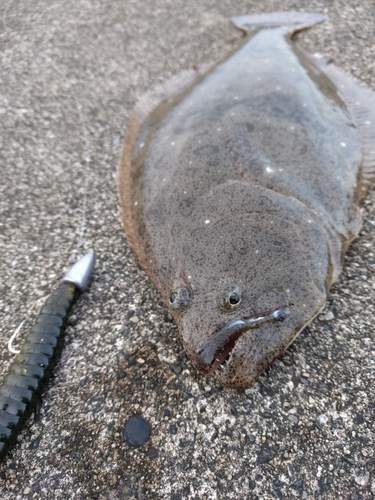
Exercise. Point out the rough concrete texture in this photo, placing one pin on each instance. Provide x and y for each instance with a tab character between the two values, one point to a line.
305	429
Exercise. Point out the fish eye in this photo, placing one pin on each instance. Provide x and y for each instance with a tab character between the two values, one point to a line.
179	299
230	297
234	299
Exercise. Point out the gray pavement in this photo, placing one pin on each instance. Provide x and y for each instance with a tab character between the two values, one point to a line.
306	428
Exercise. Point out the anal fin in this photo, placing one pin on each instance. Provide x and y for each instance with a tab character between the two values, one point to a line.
360	101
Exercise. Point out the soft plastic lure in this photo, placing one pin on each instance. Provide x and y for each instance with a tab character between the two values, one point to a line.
28	374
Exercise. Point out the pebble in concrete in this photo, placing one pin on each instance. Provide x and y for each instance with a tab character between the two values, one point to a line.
137	431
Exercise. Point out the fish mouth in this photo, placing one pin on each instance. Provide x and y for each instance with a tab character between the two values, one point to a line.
215	352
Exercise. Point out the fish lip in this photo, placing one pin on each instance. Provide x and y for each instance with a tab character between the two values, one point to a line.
214	353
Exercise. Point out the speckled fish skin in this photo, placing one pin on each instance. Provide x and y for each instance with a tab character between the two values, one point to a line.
246	179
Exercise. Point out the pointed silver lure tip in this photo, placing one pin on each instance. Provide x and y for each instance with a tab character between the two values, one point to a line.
80	273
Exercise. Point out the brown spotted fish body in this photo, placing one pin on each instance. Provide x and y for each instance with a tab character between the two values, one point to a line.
240	184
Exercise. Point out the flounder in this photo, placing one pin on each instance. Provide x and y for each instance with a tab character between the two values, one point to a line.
240	184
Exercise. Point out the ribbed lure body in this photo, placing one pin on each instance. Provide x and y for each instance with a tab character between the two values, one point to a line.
31	368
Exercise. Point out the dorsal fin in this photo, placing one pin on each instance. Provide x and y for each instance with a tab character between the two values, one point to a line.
140	115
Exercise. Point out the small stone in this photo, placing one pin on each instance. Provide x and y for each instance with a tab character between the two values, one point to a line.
26	491
293	418
327	317
35	443
73	320
152	453
321	420
267	415
298	484
173	429
184	444
362	479
134	319
251	438
137	431
176	369
266	454
239	474
141	361
214	436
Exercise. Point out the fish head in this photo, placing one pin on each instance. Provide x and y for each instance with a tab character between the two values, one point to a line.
248	286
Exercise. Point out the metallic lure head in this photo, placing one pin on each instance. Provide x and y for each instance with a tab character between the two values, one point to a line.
80	273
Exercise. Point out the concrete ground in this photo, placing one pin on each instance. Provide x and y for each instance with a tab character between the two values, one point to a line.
306	428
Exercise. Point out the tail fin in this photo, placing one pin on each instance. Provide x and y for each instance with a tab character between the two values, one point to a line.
296	21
